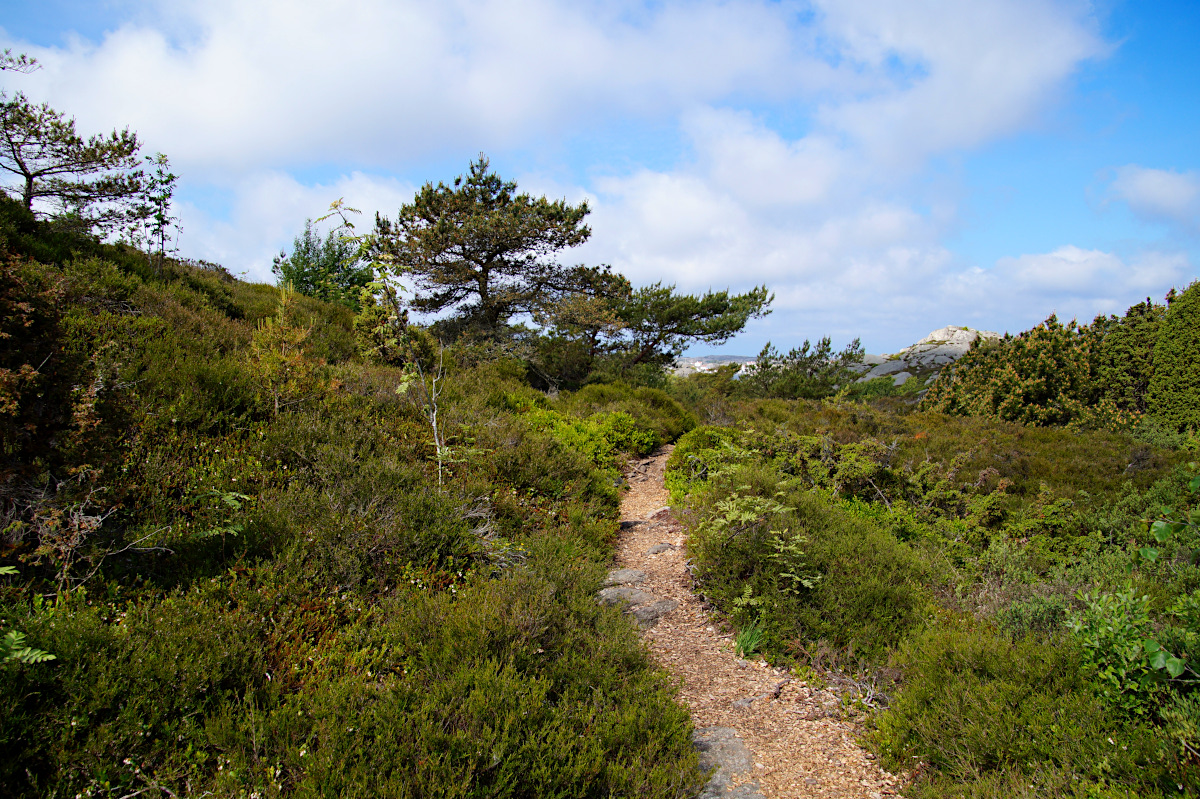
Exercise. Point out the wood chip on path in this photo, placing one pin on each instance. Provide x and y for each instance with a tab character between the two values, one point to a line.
802	746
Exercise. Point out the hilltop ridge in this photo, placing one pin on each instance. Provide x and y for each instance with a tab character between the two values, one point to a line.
924	359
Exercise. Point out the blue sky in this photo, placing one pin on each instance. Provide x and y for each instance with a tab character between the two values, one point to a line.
886	168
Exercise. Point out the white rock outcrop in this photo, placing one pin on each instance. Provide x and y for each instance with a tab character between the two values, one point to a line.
943	346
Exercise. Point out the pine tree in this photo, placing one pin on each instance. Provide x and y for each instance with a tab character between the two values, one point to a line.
1175	387
479	249
1125	358
92	181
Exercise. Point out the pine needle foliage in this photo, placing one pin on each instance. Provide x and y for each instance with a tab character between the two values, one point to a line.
1175	387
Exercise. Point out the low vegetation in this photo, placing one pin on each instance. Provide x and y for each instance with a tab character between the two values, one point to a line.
226	528
286	541
1014	598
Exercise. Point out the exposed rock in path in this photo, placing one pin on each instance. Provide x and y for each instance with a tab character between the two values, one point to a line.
658	549
648	615
644	607
624	577
721	748
617	595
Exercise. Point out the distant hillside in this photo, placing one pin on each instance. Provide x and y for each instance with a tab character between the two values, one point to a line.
708	363
923	359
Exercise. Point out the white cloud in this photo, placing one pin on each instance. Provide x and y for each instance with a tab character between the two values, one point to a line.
759	167
1160	194
1070	281
239	85
268	212
1067	269
962	73
254	84
830	209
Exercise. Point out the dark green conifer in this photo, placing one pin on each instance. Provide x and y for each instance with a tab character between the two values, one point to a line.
1175	387
1125	357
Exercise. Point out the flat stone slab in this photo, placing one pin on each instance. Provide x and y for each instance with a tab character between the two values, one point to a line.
617	595
888	368
648	615
659	549
625	577
721	748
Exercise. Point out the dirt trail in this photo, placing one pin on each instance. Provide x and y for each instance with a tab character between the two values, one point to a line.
798	744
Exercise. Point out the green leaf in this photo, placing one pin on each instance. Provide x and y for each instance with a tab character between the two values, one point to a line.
1161	531
1159	659
1174	667
1151	646
8	570
1149	553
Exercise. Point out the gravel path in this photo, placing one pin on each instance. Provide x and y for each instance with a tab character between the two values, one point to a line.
771	735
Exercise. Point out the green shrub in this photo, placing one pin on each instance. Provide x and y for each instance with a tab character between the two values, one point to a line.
1112	629
878	387
1038	615
698	455
653	409
768	549
1041	376
1105	374
1125	357
978	706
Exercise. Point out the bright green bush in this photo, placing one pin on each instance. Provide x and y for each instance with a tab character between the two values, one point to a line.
653	409
879	387
1112	630
698	455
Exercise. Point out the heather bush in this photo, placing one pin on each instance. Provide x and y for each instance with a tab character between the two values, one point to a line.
234	542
